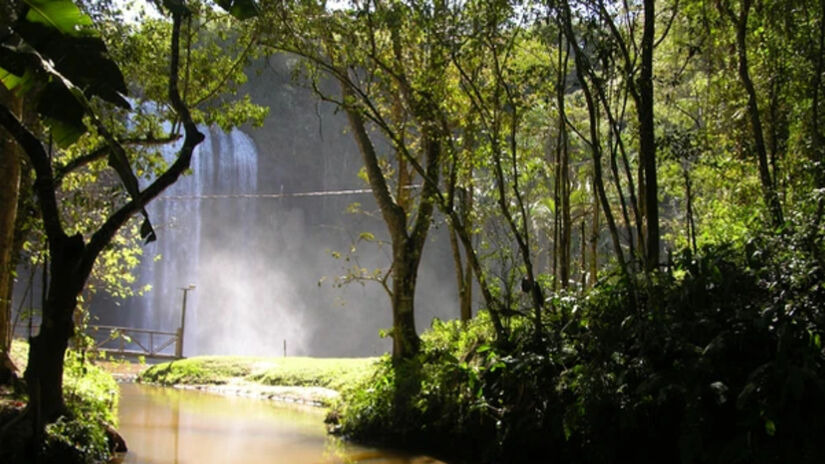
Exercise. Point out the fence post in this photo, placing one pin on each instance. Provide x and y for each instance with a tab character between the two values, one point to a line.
179	343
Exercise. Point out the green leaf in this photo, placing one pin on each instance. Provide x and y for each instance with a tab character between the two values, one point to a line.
9	80
366	236
62	15
241	9
83	61
62	133
62	112
770	427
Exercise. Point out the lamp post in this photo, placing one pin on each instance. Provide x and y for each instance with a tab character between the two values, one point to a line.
179	345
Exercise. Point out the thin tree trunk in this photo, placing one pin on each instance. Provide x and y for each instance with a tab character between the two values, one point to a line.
556	219
9	198
818	153
595	144
691	225
467	287
564	176
647	137
464	296
768	191
583	259
594	243
616	145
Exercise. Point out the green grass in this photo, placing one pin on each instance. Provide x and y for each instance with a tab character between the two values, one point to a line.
334	373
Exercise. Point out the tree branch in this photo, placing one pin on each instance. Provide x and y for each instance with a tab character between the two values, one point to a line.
193	137
102	151
44	182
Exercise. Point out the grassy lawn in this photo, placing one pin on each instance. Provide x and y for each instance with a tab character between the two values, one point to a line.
334	373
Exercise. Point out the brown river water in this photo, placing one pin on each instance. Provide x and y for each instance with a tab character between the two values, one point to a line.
172	426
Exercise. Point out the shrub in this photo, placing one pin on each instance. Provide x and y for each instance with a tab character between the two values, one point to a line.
717	360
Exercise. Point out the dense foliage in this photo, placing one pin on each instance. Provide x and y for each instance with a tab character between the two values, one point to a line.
63	93
718	360
92	397
568	145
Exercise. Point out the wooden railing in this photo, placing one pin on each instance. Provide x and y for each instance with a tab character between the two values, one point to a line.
126	340
138	342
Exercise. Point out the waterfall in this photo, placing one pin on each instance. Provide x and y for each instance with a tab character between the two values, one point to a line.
210	243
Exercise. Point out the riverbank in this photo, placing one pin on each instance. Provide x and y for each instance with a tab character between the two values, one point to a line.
311	381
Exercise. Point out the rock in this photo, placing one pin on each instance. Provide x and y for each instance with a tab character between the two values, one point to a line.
116	442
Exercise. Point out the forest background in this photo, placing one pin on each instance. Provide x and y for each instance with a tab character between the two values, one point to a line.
635	189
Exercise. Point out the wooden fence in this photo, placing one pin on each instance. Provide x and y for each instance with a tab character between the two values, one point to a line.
127	340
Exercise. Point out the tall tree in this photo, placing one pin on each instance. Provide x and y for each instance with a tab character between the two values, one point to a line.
739	19
389	63
585	75
9	188
55	50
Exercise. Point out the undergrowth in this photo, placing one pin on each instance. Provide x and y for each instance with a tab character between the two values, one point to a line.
91	396
719	359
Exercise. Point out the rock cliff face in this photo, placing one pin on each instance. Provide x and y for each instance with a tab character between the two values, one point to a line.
262	264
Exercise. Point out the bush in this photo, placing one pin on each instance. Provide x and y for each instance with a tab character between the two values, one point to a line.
461	395
718	360
91	396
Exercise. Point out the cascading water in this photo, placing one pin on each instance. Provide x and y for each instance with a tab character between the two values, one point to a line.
262	264
206	242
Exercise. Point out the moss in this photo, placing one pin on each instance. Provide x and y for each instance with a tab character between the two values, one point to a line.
334	373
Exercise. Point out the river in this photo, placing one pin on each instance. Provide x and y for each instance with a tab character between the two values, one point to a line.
173	426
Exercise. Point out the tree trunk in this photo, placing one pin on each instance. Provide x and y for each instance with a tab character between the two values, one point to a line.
583	259
647	138
405	341
768	191
691	225
563	154
582	70
594	243
464	276
9	197
467	293
818	154
44	372
406	247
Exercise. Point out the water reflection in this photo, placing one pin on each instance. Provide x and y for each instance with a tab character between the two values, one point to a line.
169	426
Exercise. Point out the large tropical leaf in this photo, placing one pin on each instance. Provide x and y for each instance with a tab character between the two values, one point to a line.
10	80
82	60
61	49
61	15
63	112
